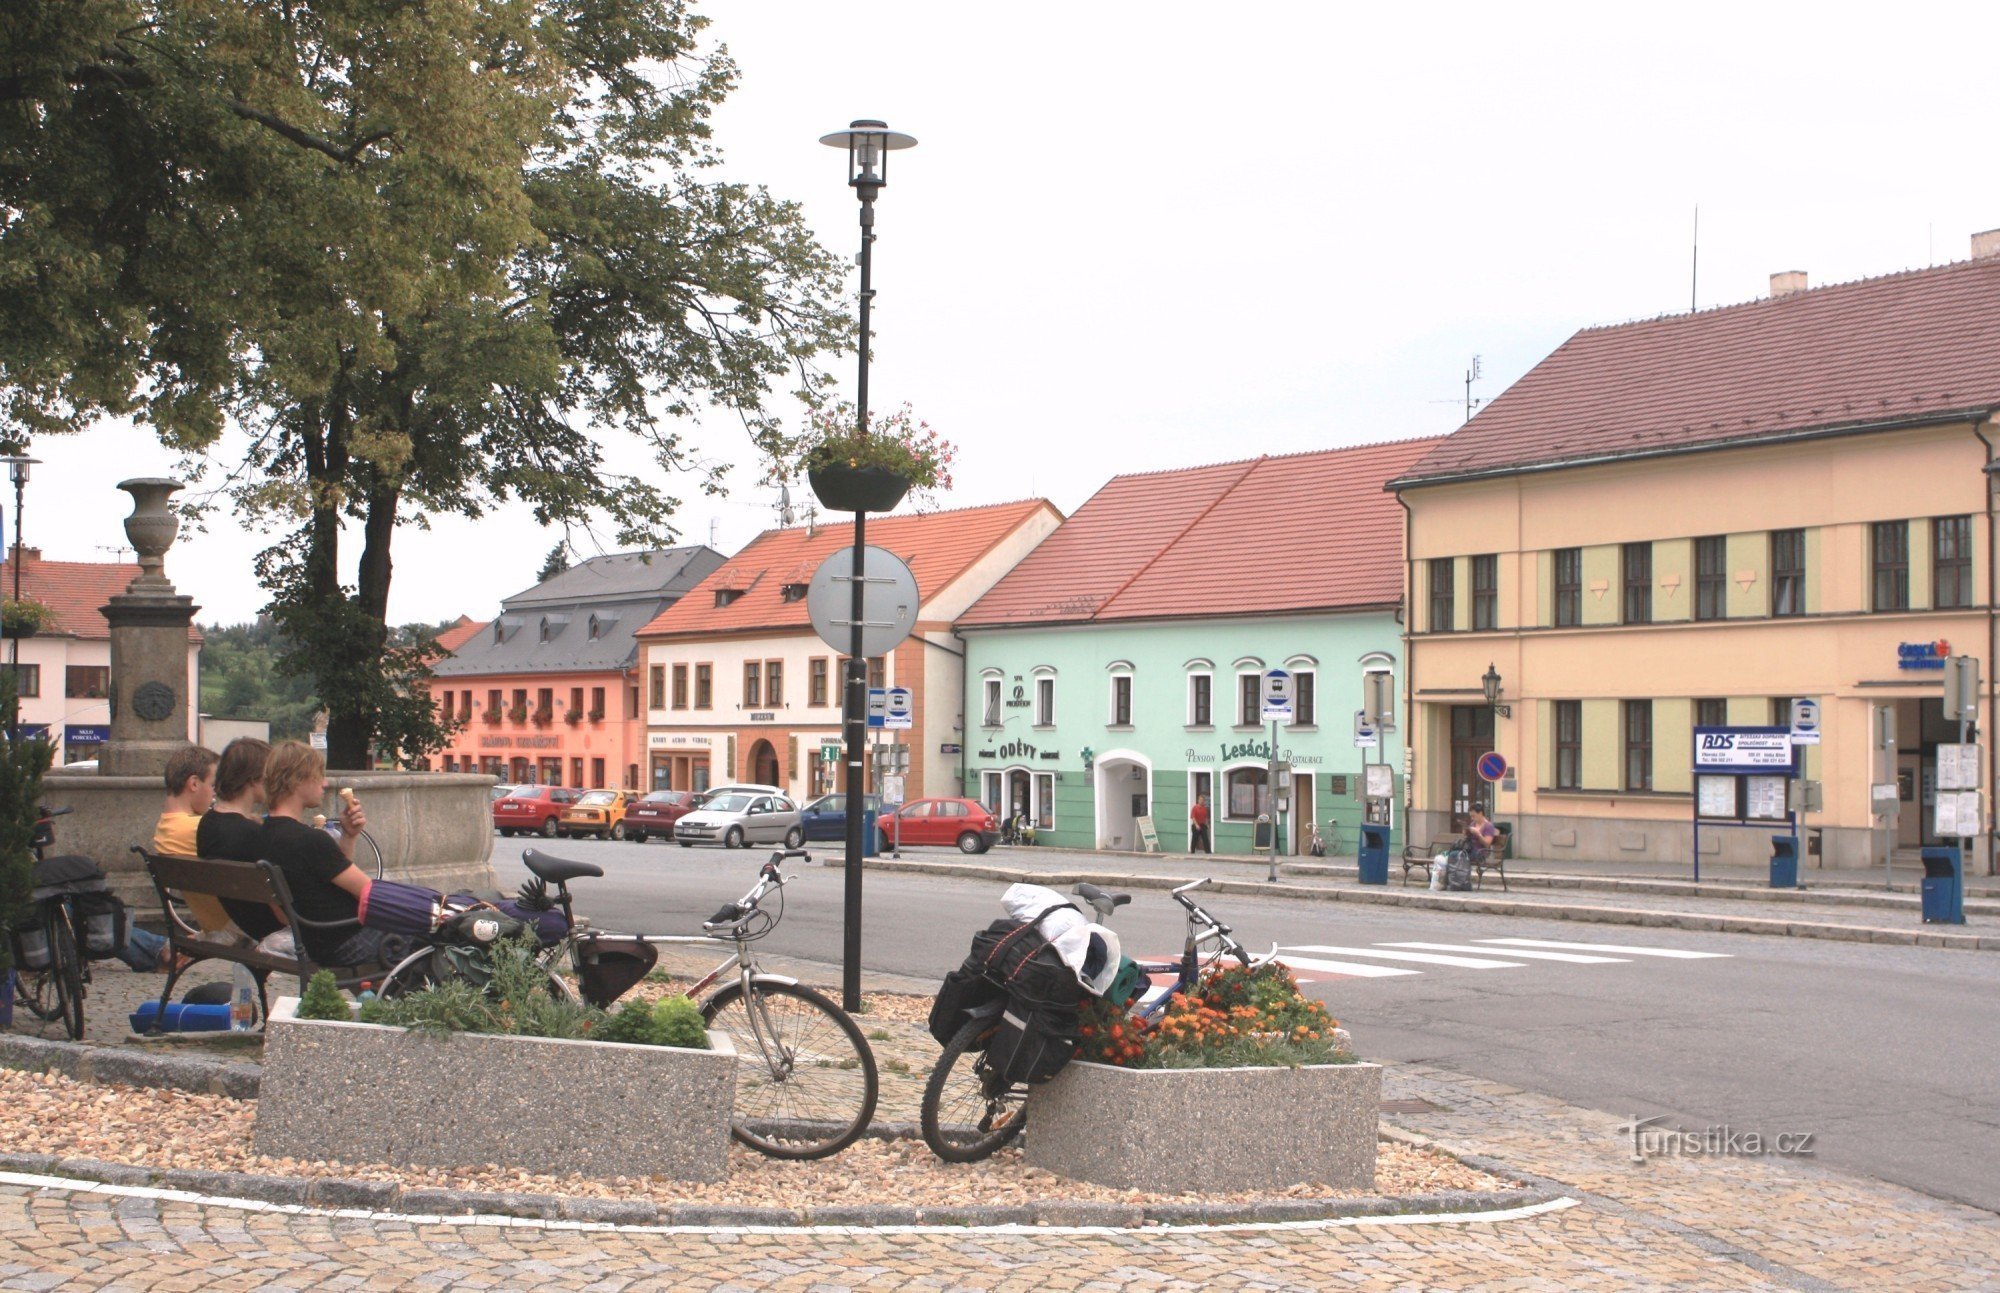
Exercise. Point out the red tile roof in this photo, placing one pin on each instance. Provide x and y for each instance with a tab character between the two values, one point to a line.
1920	346
1309	531
460	633
939	547
74	590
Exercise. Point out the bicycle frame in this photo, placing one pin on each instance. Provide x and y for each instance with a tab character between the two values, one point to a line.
1203	929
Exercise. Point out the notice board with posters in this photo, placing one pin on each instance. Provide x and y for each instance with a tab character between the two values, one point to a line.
1742	776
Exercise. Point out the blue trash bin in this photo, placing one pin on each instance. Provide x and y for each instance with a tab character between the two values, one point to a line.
1374	859
871	838
1944	886
1784	862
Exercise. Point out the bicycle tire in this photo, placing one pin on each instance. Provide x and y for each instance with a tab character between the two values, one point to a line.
993	1112
374	851
35	989
66	967
801	1112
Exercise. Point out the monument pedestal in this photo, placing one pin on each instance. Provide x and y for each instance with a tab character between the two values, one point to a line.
150	679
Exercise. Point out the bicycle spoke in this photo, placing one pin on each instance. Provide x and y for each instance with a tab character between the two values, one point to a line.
806	1082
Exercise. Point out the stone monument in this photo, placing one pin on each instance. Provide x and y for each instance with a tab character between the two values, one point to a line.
149	644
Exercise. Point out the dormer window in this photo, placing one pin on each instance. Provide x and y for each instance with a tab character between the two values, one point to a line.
596	627
793	592
724	596
545	628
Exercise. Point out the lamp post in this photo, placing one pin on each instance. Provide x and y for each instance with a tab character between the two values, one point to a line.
868	144
1490	684
17	466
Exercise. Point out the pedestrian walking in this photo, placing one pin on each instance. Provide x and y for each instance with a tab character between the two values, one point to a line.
1198	841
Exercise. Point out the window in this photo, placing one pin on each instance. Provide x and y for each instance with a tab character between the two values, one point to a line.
704	686
631	702
1638	745
1045	801
792	593
816	681
753	684
1045	701
1249	699
656	686
1637	559
493	703
597	702
576	772
597	774
1569	587
545	702
1711	711
1249	794
521	701
1200	709
576	699
1781	711
1442	594
1486	592
1788	572
680	686
877	673
1711	577
1891	549
1569	744
1951	562
992	712
87	682
1303	711
774	683
1121	700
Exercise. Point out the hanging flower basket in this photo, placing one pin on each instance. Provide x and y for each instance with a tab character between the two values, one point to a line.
858	489
25	618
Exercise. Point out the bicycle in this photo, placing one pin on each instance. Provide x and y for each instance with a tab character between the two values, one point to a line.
970	1111
55	938
806	1082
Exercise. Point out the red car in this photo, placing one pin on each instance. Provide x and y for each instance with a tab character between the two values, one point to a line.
534	809
656	814
964	822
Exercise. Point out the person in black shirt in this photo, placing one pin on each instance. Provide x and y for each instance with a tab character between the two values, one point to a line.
233	828
325	883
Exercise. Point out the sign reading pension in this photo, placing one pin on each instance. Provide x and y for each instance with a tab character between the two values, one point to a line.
1744	750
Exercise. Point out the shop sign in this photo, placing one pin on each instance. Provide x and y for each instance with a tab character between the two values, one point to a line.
86	734
1743	749
664	740
1193	757
1246	750
1017	750
1922	655
763	718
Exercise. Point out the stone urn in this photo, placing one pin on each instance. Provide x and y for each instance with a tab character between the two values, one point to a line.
152	525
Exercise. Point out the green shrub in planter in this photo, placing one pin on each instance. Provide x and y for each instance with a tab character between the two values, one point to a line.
322	1000
671	1021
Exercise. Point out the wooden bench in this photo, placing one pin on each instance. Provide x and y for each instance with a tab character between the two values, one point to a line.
174	878
1420	856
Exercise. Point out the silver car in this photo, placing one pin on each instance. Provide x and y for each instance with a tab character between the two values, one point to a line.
740	817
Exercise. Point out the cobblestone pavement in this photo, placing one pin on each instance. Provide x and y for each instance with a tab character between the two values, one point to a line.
1698	1223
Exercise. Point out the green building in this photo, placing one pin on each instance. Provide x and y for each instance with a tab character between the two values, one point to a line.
1114	676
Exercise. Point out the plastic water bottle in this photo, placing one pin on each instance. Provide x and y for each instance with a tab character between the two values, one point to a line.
243	1001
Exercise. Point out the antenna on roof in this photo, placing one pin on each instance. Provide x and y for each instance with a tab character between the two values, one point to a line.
1694	270
1471	375
784	503
116	549
714	530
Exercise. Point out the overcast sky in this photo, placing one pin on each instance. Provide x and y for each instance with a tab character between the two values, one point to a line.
1144	237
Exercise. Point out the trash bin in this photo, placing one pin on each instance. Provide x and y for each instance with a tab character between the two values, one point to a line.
871	838
1374	859
1944	886
1503	847
1262	839
1784	862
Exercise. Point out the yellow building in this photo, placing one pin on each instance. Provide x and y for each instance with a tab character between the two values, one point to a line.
1692	521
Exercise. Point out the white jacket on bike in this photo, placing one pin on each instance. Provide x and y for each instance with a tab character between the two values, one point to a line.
1081	943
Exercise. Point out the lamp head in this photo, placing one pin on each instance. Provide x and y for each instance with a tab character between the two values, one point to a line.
17	467
1490	684
868	144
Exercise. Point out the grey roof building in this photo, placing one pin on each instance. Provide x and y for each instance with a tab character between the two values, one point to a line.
584	618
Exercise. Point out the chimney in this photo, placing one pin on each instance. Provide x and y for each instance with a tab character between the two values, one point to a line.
1986	244
1787	282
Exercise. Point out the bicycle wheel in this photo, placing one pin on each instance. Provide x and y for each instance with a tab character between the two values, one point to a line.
969	1112
36	989
805	1090
66	968
368	855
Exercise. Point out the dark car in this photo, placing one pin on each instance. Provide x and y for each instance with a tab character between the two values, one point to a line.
964	822
825	818
536	809
656	814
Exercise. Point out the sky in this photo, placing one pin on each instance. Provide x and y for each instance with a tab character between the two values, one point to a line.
1134	238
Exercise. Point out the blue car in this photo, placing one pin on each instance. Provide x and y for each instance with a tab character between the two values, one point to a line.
825	818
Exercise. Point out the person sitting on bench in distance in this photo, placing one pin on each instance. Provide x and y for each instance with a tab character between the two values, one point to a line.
190	779
1479	836
319	870
232	830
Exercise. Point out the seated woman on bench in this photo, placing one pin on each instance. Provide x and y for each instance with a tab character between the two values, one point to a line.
1479	836
232	830
319	871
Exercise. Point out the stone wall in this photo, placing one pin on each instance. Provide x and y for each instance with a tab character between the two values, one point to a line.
434	828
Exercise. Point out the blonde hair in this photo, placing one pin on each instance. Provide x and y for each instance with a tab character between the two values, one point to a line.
292	764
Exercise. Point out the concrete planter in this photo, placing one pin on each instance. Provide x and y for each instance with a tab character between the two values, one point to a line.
1207	1130
364	1093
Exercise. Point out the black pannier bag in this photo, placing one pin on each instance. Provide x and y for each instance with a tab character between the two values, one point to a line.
100	914
608	966
963	990
1038	1028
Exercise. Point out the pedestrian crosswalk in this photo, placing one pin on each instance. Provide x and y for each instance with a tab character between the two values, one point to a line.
1311	962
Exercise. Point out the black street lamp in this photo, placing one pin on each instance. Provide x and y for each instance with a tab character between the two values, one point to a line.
18	466
1490	684
868	145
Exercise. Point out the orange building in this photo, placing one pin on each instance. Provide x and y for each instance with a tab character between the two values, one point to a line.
547	692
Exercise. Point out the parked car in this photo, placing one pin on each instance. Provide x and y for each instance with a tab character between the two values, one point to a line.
656	813
737	817
535	809
501	792
825	818
964	822
597	812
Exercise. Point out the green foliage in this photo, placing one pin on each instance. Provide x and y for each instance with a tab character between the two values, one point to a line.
516	1000
431	257
22	764
26	617
554	564
322	1000
670	1021
240	679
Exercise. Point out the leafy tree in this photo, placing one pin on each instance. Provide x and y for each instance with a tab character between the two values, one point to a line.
240	679
554	564
430	255
22	763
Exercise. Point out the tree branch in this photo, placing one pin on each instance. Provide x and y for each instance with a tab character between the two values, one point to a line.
304	138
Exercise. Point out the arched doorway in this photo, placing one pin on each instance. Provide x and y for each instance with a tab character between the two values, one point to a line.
1124	785
764	764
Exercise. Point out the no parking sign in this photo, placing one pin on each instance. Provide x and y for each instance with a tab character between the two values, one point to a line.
1492	766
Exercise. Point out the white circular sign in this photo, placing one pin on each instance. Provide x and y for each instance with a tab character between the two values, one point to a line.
888	600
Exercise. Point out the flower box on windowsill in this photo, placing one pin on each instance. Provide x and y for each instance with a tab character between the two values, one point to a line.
858	489
573	717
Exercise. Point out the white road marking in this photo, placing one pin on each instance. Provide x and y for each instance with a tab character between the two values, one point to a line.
1571	957
1612	947
1462	962
1352	969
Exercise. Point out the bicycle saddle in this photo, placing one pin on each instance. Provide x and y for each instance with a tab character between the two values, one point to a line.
1103	900
557	870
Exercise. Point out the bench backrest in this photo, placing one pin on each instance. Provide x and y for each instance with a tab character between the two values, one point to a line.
247	881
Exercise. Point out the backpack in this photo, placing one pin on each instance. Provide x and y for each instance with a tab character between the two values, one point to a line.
1458	871
1011	959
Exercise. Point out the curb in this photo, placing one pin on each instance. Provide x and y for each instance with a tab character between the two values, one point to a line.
342	1193
89	1063
1424	899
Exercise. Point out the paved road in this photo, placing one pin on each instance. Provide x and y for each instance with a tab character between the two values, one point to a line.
1885	1053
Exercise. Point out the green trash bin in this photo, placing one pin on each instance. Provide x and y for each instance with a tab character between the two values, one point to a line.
1503	848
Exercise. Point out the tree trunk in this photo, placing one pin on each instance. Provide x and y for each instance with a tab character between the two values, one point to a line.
351	729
